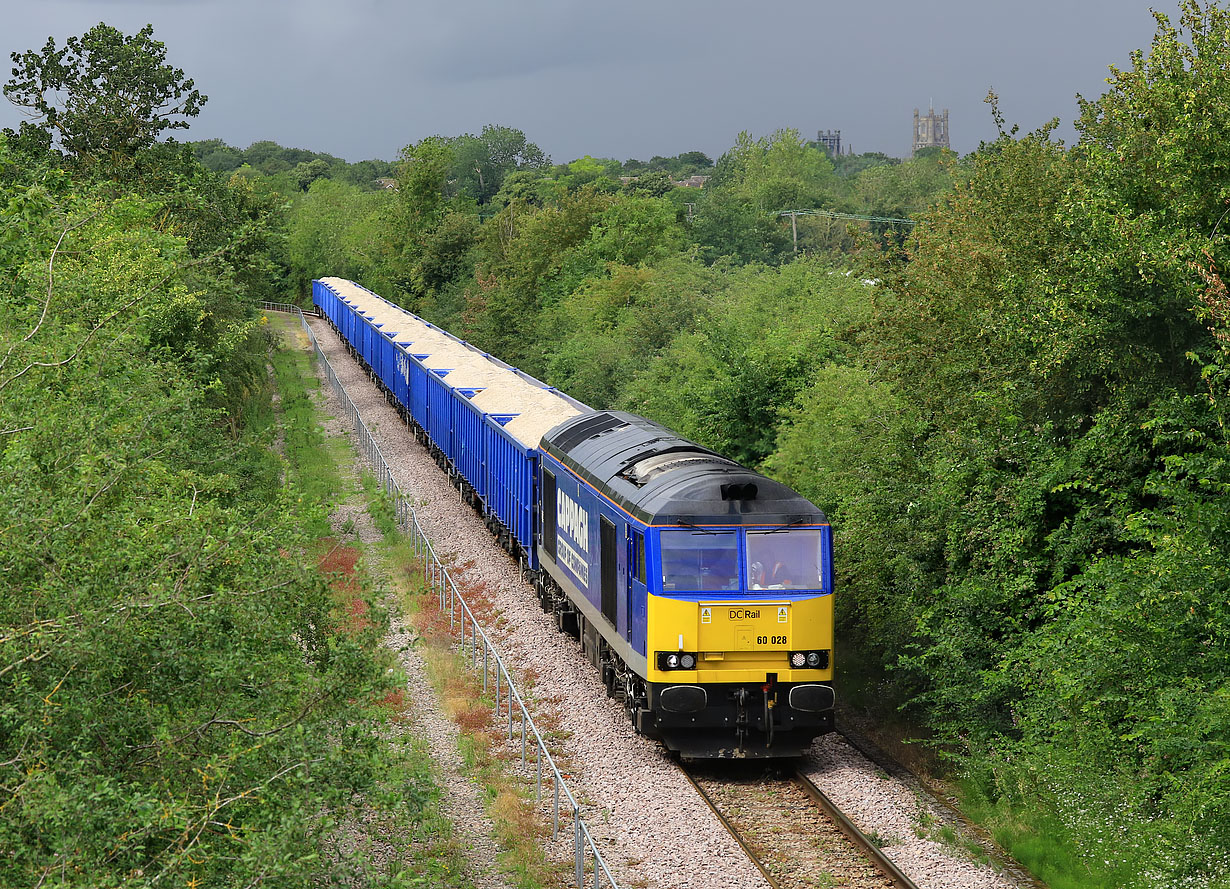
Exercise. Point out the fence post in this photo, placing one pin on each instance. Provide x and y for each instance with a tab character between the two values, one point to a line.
578	848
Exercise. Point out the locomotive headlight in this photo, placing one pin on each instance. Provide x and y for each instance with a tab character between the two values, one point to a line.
676	660
809	660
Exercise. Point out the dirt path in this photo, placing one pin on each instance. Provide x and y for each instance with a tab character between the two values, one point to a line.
462	801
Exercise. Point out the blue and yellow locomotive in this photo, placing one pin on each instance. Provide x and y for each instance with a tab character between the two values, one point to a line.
700	590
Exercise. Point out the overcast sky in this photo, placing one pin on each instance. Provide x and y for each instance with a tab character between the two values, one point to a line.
362	78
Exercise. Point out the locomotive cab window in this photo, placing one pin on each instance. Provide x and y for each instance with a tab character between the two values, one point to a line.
700	561
779	560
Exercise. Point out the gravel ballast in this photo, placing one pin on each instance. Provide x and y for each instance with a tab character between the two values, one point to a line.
651	826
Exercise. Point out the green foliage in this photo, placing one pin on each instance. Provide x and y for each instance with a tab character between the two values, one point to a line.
1015	412
338	229
654	183
529	262
178	700
608	329
1057	342
728	227
481	163
103	96
688	163
293	167
761	339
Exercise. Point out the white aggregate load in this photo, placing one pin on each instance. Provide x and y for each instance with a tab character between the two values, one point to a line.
650	825
505	391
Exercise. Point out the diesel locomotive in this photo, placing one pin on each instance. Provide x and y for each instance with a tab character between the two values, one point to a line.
702	592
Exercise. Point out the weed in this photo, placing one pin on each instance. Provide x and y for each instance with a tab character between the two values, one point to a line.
481	739
379	506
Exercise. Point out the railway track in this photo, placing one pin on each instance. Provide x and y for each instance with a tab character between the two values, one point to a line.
791	855
791	831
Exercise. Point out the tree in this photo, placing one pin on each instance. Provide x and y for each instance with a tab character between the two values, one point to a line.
217	156
695	160
481	163
1057	341
654	183
778	172
102	95
307	173
727	225
179	694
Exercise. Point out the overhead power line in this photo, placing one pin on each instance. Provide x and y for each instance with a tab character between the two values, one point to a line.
833	214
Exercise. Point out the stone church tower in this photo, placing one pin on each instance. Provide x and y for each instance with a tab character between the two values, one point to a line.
930	129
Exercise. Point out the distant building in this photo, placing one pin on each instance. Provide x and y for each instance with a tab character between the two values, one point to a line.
831	140
390	184
930	129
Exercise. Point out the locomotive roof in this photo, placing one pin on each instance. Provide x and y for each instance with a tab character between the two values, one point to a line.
504	391
663	479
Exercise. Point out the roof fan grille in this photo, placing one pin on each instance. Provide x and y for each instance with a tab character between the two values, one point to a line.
645	471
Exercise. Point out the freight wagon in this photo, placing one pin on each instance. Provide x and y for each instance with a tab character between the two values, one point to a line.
700	590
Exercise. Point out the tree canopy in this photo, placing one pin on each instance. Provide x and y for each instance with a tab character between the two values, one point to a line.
102	96
182	701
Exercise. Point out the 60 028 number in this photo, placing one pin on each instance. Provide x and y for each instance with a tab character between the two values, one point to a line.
770	640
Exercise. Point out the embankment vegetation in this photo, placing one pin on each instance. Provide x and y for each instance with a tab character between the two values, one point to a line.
182	700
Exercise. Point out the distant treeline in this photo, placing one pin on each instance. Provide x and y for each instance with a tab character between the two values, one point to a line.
297	167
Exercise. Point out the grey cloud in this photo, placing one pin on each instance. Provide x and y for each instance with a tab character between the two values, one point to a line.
366	77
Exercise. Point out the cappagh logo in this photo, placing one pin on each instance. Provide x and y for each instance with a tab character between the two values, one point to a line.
573	520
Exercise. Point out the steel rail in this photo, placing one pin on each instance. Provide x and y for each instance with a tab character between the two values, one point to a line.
881	861
841	821
731	829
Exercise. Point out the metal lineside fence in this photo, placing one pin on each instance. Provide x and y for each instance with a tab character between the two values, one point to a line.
508	699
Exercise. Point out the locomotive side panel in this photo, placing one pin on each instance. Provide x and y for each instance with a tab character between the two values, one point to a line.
587	548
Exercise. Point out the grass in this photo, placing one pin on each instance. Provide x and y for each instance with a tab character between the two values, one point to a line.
394	834
1036	837
1026	827
520	829
930	827
312	459
379	506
